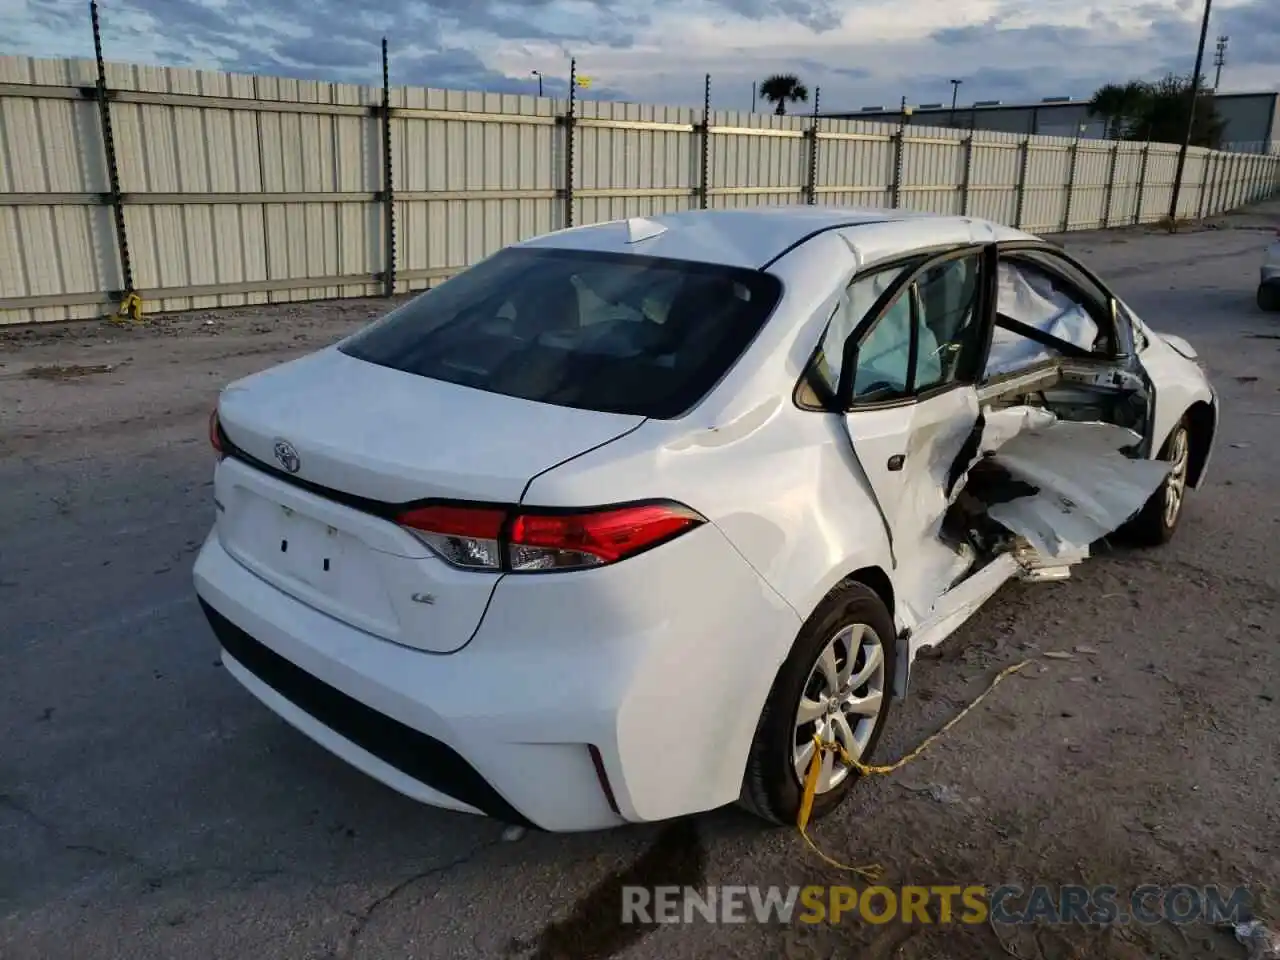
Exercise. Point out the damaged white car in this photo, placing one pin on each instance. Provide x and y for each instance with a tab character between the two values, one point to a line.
610	526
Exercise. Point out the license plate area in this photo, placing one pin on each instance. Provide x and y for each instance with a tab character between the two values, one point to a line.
316	562
288	543
309	550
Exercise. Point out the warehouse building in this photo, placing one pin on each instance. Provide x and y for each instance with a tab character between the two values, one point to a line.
1252	119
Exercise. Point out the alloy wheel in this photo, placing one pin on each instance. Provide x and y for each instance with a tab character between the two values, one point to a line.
1176	483
842	699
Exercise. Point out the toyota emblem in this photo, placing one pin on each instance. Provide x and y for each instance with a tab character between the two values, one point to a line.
287	456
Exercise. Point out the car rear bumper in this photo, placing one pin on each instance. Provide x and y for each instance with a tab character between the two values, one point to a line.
571	709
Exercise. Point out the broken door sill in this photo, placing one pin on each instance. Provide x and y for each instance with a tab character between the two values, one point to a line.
962	602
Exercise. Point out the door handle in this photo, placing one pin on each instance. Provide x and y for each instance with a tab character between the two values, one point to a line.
896	461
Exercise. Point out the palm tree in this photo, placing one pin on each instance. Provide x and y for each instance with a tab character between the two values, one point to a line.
1121	104
783	88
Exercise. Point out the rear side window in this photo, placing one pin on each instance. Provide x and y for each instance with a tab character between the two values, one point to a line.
610	332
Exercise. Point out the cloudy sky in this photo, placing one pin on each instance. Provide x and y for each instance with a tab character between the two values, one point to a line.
860	52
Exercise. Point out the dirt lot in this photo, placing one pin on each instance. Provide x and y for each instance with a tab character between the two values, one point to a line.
150	808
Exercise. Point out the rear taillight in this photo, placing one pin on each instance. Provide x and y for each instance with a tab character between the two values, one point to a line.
215	432
532	541
462	536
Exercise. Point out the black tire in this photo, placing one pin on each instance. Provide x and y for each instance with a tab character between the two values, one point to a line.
771	788
1153	525
1269	296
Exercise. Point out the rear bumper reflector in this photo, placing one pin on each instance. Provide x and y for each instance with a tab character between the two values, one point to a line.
413	753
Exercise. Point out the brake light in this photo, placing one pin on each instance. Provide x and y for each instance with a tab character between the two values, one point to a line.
215	429
532	541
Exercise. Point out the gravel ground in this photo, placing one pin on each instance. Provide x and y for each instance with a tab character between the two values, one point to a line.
150	808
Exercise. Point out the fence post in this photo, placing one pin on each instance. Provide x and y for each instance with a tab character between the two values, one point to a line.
130	303
1224	189
1111	184
1215	186
1071	184
567	121
811	176
1204	185
388	183
899	149
1023	164
704	160
1142	182
967	182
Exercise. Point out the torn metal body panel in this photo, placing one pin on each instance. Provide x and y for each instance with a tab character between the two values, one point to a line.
1085	486
1053	487
1052	445
910	486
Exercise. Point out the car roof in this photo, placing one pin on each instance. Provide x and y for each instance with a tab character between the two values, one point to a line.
752	237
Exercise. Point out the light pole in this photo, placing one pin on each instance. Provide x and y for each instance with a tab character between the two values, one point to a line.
1220	60
955	92
538	74
1191	118
753	96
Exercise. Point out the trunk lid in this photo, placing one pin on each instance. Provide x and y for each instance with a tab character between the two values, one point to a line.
394	437
368	433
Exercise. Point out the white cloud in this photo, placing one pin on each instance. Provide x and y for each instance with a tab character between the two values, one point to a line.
858	51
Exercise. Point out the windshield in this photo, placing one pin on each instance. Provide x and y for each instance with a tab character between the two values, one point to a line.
609	332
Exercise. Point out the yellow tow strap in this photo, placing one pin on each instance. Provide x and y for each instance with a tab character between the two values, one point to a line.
871	872
130	309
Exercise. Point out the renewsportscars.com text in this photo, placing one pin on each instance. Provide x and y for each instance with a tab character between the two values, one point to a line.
973	904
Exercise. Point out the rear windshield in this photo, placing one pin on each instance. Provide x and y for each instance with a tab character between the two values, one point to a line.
610	332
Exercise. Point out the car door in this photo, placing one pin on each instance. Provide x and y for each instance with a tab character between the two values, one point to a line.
907	391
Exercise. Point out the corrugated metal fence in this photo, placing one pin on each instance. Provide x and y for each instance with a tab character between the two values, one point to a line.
246	189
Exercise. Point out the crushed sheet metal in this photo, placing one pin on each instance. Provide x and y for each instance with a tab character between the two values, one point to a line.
937	565
1087	487
962	603
927	566
1036	567
998	428
1001	426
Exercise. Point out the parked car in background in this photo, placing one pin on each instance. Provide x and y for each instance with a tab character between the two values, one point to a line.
608	527
1269	282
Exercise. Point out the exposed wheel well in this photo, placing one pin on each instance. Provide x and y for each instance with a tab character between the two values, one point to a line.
877	580
1199	417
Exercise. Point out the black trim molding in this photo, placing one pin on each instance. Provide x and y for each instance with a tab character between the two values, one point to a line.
413	753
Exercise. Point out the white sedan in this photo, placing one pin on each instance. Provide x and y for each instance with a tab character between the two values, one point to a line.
610	526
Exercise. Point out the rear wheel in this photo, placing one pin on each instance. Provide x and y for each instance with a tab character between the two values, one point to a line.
1269	296
1159	517
834	684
